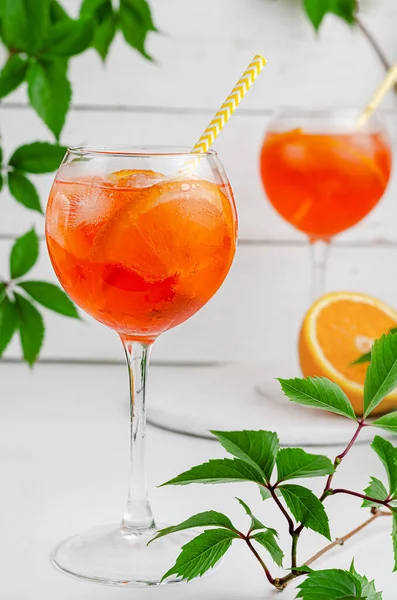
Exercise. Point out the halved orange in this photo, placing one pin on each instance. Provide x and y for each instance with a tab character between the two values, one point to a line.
336	330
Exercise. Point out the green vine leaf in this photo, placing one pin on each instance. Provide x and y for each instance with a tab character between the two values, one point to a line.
388	422
38	157
31	329
24	254
136	22
264	492
388	456
202	553
376	489
50	296
332	584
394	538
8	322
381	376
210	518
306	508
257	448
317	9
57	12
367	587
12	74
364	358
23	190
105	24
294	463
223	470
318	392
268	540
50	92
25	24
255	523
68	38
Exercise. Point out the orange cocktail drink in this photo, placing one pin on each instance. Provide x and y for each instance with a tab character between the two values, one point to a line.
324	183
138	251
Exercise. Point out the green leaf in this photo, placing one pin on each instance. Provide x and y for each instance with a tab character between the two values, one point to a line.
264	492
364	358
376	489
104	35
388	455
317	9
12	74
293	463
38	157
209	518
257	448
24	191
218	471
318	392
24	254
330	584
135	23
255	523
268	540
394	539
31	329
57	12
50	92
202	553
388	422
50	296
25	24
306	508
367	588
8	322
105	23
90	8
1	181
381	376
69	37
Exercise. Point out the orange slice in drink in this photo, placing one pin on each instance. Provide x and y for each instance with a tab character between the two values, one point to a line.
337	329
170	229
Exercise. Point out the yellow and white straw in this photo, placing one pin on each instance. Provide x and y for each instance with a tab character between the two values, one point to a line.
230	104
383	89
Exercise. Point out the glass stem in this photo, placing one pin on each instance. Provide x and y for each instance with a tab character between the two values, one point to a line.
319	256
138	516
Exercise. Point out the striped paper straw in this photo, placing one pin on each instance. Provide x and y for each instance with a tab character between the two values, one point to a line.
230	104
383	89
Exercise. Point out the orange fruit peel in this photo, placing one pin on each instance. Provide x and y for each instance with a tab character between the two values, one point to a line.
336	330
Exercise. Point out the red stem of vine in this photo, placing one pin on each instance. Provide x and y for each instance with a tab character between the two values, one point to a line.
281	583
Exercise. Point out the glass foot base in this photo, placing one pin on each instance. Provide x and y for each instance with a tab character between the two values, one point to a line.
106	555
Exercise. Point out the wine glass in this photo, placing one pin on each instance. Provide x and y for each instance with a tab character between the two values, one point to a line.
140	239
323	174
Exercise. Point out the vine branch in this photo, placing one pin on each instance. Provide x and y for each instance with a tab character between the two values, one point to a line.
270	579
358	495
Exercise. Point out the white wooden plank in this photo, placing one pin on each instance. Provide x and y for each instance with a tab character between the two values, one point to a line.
238	145
204	46
256	315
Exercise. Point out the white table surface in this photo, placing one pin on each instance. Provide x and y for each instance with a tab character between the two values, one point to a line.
63	464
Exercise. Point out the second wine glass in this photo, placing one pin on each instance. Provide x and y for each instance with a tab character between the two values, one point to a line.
323	174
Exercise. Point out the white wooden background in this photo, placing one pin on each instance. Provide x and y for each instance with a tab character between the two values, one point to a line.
202	49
